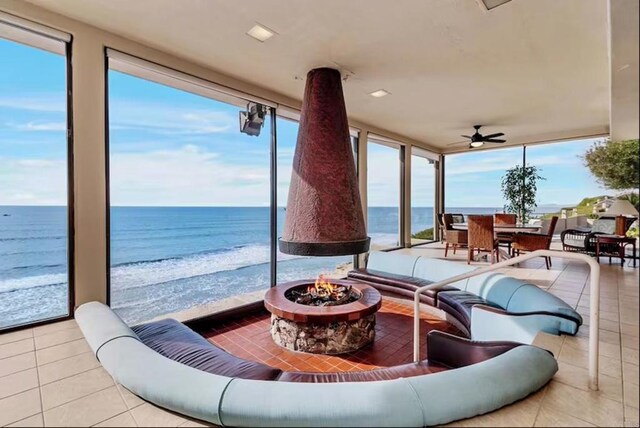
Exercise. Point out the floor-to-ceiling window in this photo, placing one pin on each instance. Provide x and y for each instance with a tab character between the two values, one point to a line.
189	197
383	194
423	185
296	267
473	180
34	177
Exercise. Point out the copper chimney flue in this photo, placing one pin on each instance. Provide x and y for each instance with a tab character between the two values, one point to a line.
324	212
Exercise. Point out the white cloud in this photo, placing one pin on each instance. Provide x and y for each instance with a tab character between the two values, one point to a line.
33	181
40	126
189	176
51	102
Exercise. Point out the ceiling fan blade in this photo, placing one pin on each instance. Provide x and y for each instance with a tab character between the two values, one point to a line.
499	134
466	136
459	142
493	140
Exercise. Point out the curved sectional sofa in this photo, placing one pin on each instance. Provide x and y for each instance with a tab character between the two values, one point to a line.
170	365
490	306
461	379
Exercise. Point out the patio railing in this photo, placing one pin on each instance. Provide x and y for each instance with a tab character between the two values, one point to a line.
594	304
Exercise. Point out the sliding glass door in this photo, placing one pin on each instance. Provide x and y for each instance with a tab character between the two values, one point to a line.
35	216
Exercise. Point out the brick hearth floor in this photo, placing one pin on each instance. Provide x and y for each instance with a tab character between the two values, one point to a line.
250	338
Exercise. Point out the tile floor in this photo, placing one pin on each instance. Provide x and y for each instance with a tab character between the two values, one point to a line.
49	377
250	338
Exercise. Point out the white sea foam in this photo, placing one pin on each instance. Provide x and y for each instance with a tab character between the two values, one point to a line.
148	273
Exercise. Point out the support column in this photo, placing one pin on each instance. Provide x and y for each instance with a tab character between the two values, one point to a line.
407	196
90	169
363	139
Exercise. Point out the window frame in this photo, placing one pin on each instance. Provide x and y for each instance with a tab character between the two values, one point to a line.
38	36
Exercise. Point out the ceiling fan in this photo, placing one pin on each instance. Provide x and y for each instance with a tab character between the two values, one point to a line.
478	139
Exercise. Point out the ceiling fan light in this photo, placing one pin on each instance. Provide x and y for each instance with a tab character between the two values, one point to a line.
475	144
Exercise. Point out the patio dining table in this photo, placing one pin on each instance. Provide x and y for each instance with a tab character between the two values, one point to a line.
505	228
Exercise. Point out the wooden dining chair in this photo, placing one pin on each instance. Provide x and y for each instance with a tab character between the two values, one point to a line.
526	241
505	238
481	236
455	238
504	218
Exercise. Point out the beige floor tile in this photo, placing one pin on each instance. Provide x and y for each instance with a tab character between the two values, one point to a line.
630	342
549	342
58	337
18	382
32	421
14	348
195	423
631	417
590	406
608	366
58	352
579	377
632	395
52	328
68	367
631	373
122	420
15	336
62	391
582	343
88	410
553	418
130	399
520	414
630	356
19	406
149	415
630	329
17	363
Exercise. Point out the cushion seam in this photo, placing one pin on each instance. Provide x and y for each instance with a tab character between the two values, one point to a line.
413	269
514	293
224	391
112	339
422	410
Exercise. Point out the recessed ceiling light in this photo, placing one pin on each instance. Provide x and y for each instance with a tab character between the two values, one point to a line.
476	144
261	33
492	4
379	93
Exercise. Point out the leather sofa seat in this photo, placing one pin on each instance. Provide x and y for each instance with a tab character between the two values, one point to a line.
389	373
397	284
458	303
178	342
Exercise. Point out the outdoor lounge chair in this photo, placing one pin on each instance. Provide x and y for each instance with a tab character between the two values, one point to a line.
535	241
583	240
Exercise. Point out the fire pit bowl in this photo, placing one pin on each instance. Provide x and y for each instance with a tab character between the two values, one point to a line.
333	329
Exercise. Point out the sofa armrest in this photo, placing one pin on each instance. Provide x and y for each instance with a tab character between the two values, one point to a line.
489	323
454	351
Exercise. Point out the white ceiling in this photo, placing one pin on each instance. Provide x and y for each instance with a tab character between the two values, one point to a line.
535	70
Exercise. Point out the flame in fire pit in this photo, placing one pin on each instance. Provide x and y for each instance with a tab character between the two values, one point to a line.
322	287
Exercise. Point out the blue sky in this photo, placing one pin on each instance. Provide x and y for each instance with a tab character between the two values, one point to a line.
170	147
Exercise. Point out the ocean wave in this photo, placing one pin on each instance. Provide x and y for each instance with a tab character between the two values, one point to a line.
142	274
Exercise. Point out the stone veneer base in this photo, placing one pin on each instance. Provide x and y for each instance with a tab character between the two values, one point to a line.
332	338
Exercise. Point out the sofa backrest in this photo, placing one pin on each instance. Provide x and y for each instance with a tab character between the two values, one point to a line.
494	287
438	270
604	225
530	298
398	264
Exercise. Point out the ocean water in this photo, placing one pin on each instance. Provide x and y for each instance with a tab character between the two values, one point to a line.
163	259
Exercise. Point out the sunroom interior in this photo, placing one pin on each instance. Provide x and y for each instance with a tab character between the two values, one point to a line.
133	193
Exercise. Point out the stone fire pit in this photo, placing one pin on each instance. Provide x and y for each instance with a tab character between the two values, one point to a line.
322	329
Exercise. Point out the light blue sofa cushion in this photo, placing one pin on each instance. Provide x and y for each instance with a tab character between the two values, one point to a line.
494	287
398	264
162	381
483	387
100	324
438	270
531	298
287	404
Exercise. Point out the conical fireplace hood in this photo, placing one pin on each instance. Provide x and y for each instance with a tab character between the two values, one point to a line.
324	213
